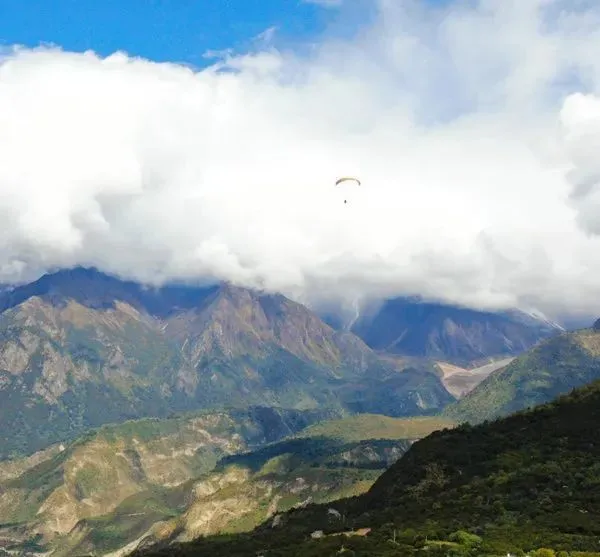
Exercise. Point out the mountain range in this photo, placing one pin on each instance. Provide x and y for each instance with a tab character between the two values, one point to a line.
461	336
165	481
128	412
80	348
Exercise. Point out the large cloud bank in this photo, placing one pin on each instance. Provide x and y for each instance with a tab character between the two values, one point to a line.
474	127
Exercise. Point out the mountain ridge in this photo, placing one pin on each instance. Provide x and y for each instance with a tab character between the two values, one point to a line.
554	367
458	335
79	349
85	285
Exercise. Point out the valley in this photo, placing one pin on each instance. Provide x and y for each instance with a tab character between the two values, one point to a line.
460	381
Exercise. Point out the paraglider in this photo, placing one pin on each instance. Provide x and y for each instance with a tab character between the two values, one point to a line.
346	179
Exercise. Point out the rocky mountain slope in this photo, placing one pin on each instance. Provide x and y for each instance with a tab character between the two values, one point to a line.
79	349
525	484
46	495
553	368
460	336
174	479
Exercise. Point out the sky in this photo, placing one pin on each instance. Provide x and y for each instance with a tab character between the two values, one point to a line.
180	31
174	142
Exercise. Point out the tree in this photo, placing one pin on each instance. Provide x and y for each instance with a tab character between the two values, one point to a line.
543	552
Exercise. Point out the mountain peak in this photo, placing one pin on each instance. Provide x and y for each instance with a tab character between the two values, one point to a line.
240	321
237	294
86	285
95	289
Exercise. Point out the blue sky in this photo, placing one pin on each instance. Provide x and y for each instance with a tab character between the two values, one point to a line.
162	30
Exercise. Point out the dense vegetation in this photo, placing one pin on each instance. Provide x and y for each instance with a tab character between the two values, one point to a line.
553	368
526	483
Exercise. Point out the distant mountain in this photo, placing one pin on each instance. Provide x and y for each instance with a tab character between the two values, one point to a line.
174	479
553	368
79	349
523	485
452	334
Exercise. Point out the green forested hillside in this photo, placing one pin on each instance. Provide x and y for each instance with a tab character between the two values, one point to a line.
553	368
518	484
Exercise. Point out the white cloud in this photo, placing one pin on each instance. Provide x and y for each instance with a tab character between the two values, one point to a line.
473	129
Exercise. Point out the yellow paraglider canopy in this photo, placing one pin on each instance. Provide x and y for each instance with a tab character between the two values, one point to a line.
346	178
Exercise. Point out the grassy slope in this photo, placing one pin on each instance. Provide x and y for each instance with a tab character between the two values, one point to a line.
373	426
